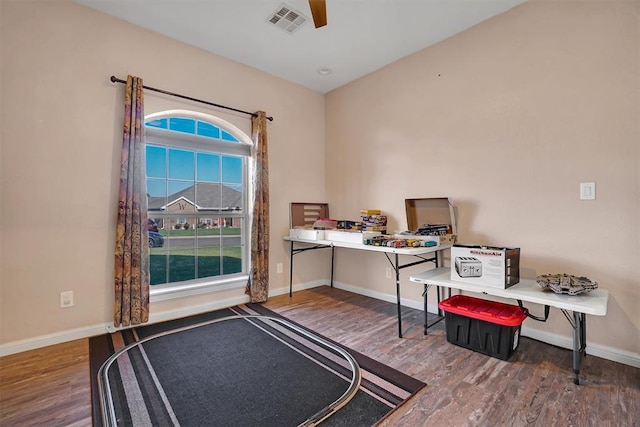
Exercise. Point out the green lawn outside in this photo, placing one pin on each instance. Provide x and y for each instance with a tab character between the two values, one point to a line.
211	261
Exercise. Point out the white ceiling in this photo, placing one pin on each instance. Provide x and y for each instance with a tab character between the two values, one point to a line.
361	35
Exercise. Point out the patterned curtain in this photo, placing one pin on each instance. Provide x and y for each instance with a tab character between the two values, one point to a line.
132	239
258	286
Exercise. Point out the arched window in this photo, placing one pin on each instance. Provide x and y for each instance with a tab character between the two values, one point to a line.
197	187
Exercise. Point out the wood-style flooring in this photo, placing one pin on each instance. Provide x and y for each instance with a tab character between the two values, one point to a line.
50	386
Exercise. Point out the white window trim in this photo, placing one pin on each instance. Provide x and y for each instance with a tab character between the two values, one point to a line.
176	139
170	292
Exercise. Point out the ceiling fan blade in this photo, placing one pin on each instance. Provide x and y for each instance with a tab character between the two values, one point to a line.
319	12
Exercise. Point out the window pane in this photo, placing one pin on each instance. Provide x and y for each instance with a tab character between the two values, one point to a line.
208	167
181	197
232	197
182	265
157	187
182	125
156	161
209	259
232	169
158	266
226	136
157	191
181	164
231	243
182	252
209	196
206	129
157	251
159	123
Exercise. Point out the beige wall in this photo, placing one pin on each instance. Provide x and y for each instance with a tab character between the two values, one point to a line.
61	132
507	119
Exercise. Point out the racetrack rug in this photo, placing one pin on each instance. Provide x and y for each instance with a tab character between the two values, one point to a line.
241	366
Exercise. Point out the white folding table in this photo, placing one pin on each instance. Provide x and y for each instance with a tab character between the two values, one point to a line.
527	290
424	254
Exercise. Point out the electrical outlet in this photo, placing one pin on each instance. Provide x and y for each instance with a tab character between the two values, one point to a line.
279	268
388	273
66	299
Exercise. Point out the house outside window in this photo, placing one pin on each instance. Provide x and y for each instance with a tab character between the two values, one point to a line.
197	188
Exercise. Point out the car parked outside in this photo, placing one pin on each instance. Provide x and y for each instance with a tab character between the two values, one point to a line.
152	225
156	240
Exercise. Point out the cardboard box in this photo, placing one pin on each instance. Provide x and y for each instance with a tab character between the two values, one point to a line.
305	214
350	236
438	210
306	234
485	265
302	216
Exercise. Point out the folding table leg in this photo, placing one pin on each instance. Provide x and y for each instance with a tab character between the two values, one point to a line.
397	270
579	343
291	269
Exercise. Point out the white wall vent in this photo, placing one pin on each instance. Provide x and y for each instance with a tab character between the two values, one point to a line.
287	18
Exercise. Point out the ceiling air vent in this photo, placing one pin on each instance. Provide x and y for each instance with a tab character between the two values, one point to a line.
287	18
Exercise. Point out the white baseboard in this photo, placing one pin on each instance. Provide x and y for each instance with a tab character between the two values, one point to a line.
99	329
308	285
188	311
605	352
91	331
418	305
50	339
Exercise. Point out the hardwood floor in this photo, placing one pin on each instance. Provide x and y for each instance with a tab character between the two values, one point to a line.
46	387
50	386
465	388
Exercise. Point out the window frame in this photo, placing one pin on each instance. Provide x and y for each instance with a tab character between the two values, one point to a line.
197	143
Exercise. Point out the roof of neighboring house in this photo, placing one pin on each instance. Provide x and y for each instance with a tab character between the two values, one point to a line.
203	196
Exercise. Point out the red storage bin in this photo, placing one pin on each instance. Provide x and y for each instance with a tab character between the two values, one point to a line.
488	327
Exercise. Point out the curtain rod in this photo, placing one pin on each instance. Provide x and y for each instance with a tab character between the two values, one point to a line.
114	79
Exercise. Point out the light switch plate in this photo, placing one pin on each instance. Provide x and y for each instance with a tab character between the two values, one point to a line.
66	299
587	191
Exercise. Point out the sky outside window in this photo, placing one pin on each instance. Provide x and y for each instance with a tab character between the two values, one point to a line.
208	167
231	169
171	170
156	162
181	164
